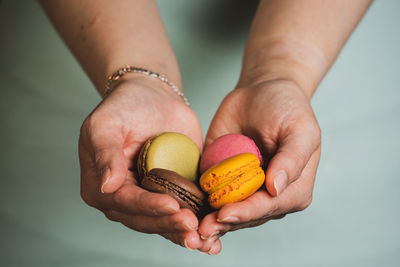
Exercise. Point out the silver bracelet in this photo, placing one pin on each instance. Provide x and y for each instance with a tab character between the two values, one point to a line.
119	73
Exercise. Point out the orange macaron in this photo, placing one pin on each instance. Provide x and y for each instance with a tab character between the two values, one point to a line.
232	179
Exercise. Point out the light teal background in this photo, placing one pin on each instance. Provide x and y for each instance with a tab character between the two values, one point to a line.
44	96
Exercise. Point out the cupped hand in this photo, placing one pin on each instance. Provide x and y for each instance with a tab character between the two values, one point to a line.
278	116
109	143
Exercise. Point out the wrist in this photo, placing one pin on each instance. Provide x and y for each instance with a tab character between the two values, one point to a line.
116	73
134	80
283	60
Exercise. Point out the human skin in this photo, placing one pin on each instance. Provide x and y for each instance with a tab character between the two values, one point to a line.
105	36
291	46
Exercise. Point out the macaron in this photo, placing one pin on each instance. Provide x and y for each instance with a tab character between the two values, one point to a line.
170	151
232	180
185	192
227	146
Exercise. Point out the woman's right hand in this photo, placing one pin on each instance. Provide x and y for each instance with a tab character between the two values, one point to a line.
109	144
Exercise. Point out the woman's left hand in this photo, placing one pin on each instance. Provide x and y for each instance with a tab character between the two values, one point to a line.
278	116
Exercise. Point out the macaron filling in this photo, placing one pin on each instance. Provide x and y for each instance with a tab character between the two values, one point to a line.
192	200
223	179
235	182
232	180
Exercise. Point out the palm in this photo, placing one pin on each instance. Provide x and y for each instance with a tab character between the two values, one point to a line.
263	113
112	136
278	116
139	112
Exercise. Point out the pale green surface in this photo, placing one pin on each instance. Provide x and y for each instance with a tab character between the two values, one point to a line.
353	221
163	153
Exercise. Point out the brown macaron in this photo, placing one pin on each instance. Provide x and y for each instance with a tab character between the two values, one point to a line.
187	193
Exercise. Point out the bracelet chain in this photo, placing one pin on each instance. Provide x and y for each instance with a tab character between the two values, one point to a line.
120	72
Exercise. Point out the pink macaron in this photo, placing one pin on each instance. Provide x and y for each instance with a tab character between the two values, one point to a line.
227	146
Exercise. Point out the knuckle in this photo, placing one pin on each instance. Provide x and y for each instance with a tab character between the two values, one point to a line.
87	125
83	130
125	203
318	132
145	205
86	130
91	119
261	208
83	135
99	157
91	122
298	157
274	208
298	160
315	130
118	196
136	225
109	215
305	203
87	198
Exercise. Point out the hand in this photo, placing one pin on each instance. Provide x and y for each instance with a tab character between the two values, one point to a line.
110	140
278	116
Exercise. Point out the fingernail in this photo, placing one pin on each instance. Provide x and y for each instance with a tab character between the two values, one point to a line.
106	173
213	250
189	227
184	226
212	235
280	182
186	245
229	219
167	209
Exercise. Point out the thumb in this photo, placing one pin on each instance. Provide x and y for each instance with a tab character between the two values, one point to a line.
293	154
220	126
110	161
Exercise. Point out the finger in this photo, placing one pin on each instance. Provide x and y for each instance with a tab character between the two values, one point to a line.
255	223
216	248
208	244
191	240
90	184
106	147
188	239
222	123
260	204
209	227
296	197
181	221
294	151
137	201
219	129
174	237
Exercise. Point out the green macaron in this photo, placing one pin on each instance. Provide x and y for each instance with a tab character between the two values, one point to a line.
170	151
